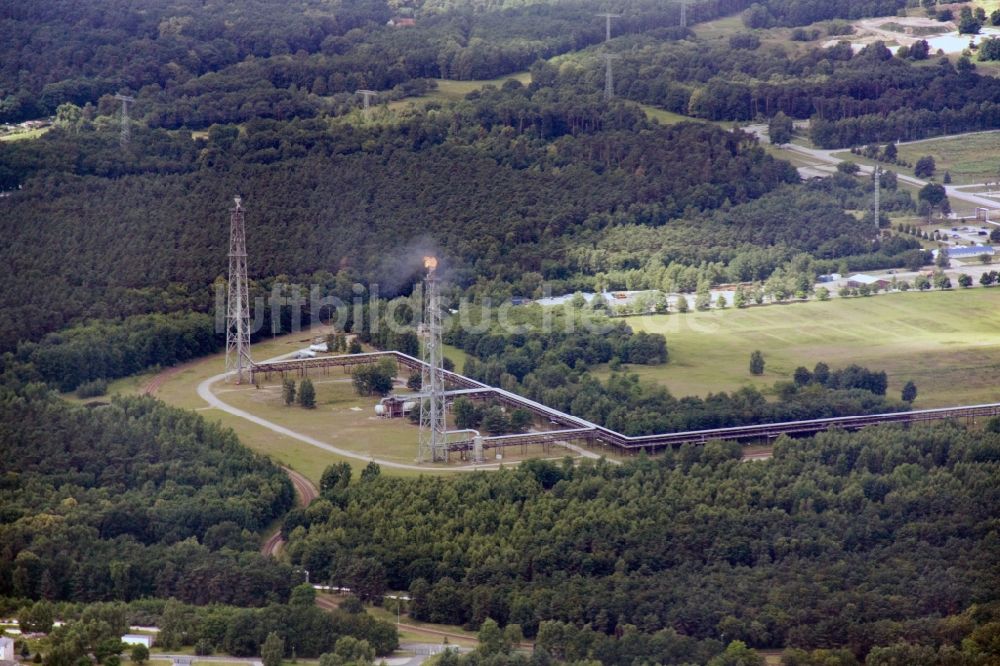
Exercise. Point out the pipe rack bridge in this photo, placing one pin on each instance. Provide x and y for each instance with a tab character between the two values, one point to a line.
572	428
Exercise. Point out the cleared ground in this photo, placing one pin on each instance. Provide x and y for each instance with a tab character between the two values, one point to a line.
27	134
341	418
179	389
449	90
969	158
948	343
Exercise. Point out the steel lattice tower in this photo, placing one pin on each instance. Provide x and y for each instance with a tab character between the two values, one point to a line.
366	96
126	132
607	26
238	359
609	81
877	177
684	6
432	446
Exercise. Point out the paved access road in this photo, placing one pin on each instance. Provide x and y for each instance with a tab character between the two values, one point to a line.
826	156
206	394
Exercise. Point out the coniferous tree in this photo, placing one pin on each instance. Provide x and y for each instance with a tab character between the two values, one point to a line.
307	394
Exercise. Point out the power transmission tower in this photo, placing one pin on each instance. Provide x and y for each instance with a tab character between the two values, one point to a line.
684	6
238	359
609	81
877	176
126	134
432	445
607	25
367	96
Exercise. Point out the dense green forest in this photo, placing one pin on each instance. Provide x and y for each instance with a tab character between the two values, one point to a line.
109	349
550	189
879	546
195	63
132	499
842	540
556	185
308	631
852	99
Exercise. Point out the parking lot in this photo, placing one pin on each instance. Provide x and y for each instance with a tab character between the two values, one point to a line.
966	234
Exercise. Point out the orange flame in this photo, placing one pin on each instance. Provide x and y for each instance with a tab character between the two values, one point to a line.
430	263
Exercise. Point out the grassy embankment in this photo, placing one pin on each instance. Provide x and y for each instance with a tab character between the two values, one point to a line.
968	158
948	343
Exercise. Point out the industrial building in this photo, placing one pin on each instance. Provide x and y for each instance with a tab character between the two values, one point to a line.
969	252
862	280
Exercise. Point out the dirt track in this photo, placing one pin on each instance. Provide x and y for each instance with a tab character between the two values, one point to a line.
154	384
306	492
329	604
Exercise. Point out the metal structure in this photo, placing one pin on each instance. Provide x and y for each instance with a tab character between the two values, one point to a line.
609	80
877	177
607	26
684	19
126	131
366	96
238	359
568	428
433	445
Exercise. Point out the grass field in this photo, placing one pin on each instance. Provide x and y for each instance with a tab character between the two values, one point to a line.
948	343
665	117
969	158
958	206
449	90
341	419
345	420
180	390
29	134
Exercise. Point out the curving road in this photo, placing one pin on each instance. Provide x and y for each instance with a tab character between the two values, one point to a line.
205	393
821	155
306	493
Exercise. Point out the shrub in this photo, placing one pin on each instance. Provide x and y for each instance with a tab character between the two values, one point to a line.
92	389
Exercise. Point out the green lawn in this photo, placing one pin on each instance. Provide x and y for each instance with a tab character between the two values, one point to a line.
29	134
449	90
180	390
341	419
720	28
131	385
948	343
665	117
969	158
961	208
